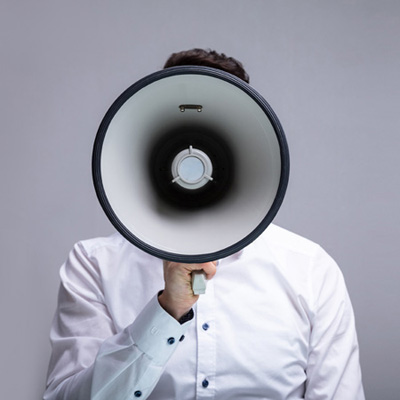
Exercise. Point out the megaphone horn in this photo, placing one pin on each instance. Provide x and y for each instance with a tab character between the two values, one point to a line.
190	164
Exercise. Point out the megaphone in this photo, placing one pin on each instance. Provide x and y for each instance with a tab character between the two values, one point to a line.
190	164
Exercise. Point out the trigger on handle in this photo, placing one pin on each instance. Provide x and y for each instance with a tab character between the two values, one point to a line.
199	282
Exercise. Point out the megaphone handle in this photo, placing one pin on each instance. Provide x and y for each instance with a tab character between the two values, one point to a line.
199	282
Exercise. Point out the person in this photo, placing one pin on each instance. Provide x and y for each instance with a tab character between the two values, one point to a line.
276	321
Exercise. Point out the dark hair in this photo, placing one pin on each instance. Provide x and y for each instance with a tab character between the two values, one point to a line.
208	58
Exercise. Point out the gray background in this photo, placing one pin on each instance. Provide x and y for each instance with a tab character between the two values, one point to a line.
330	70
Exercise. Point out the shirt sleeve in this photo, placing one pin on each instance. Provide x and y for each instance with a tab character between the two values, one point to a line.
333	371
89	359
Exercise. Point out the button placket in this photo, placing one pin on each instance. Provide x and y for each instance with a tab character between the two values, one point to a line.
206	344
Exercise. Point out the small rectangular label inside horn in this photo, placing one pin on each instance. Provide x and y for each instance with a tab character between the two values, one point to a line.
184	107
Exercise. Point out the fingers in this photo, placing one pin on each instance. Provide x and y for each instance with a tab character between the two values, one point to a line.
210	268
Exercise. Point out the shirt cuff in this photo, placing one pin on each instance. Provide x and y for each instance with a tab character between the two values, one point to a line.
156	333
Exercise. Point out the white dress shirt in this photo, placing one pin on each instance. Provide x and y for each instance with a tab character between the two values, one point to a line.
275	323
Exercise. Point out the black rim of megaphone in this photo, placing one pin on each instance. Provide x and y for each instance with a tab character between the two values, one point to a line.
98	183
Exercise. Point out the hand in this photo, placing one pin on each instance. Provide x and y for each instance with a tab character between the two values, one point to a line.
178	298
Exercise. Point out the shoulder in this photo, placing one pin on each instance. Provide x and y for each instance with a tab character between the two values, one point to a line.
297	255
91	246
92	255
283	239
288	247
112	247
108	255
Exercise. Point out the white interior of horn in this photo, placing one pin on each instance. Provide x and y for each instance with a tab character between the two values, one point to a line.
242	124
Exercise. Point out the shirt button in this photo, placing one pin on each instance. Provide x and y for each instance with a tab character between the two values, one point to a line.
171	340
181	338
205	326
138	393
205	383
